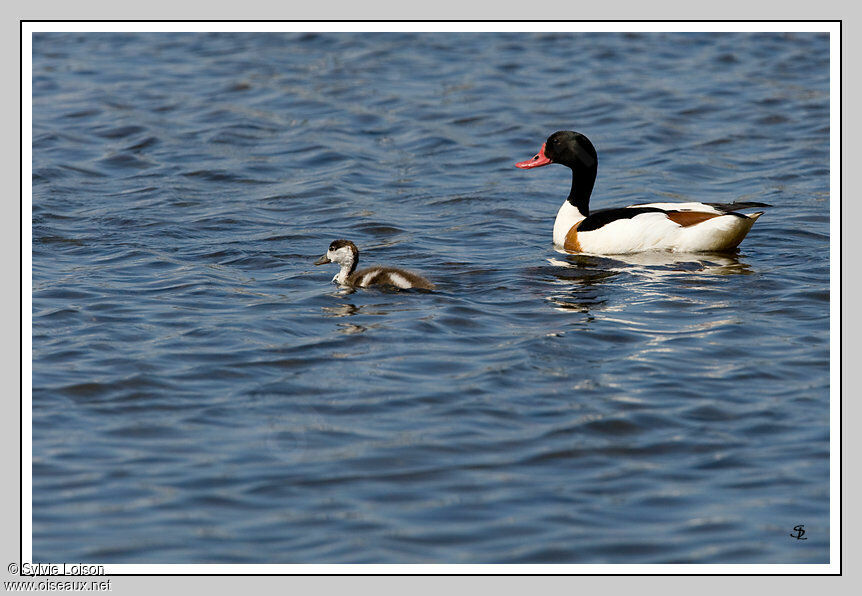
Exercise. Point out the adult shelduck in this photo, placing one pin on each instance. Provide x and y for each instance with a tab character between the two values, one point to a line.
684	227
345	253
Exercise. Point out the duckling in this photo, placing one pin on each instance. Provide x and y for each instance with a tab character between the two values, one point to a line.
345	253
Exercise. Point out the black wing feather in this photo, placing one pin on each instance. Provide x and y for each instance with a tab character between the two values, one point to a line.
603	217
737	205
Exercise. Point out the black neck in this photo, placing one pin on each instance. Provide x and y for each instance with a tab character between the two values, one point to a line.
583	179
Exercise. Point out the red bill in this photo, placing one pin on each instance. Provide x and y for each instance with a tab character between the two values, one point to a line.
534	162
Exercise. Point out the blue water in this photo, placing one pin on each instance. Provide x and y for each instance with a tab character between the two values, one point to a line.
202	393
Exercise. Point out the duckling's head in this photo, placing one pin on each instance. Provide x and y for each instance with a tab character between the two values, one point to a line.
343	252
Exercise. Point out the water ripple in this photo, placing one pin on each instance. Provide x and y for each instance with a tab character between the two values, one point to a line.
203	393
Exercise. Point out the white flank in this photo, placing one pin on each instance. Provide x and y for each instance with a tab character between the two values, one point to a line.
648	231
400	281
368	278
654	231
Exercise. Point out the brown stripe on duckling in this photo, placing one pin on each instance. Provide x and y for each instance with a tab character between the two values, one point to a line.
571	242
690	218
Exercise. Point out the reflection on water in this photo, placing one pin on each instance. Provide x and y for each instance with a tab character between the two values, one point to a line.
660	262
583	275
351	328
578	282
349	310
342	310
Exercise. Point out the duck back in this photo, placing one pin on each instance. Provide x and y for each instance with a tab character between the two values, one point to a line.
388	276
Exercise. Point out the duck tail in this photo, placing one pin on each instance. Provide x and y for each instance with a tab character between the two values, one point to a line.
737	205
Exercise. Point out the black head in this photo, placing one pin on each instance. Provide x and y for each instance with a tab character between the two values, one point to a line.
336	244
574	150
571	149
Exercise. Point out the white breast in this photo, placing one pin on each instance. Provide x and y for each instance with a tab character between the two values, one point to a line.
567	216
647	231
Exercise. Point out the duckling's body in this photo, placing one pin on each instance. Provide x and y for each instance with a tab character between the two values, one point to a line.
345	253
